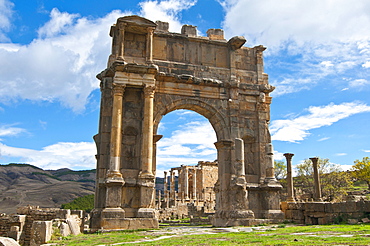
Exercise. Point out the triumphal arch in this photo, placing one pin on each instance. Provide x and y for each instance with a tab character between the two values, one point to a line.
152	72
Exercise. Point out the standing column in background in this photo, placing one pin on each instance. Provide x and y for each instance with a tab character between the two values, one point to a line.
317	194
290	197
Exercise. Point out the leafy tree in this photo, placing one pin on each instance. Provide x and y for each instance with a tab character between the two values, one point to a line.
361	170
280	170
334	185
81	203
334	182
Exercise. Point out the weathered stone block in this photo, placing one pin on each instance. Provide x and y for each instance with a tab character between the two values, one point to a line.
40	232
5	241
314	206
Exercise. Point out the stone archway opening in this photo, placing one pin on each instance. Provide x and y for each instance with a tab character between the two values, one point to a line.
188	137
186	163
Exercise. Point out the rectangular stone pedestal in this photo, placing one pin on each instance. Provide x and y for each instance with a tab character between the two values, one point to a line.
112	224
114	219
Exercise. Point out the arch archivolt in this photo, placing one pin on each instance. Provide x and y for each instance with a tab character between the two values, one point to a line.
212	109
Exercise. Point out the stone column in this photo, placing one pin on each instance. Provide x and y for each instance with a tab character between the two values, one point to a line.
195	184
165	190
288	157
149	45
114	181
317	194
270	170
259	57
172	185
159	200
239	159
115	137
186	184
121	49
232	205
147	145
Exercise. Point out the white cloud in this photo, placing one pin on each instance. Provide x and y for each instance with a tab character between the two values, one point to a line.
345	167
279	156
193	143
323	139
60	155
327	63
59	24
61	64
366	64
341	154
367	151
6	12
167	11
9	130
315	38
297	129
271	22
359	83
291	85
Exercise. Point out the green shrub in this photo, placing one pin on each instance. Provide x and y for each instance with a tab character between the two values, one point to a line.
82	203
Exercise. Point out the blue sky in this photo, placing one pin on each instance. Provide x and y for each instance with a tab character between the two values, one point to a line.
318	57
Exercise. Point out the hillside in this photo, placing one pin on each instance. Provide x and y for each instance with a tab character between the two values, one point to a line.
23	184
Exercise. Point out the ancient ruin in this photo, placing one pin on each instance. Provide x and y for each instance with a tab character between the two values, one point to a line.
152	72
34	226
195	194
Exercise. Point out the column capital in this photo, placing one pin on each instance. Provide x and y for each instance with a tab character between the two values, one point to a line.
314	159
122	25
288	156
118	89
149	90
150	29
224	144
269	149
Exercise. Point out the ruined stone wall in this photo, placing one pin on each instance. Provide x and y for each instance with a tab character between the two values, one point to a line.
5	224
26	217
320	213
207	178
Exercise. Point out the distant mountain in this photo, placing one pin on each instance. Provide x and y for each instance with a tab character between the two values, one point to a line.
24	184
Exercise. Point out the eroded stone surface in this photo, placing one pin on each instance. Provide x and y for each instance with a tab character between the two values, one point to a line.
153	72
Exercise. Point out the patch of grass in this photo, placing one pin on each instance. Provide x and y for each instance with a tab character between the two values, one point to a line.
290	235
100	238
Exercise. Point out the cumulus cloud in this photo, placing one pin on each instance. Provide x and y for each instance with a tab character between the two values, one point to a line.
59	23
167	11
60	155
297	129
317	38
270	22
193	143
61	64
